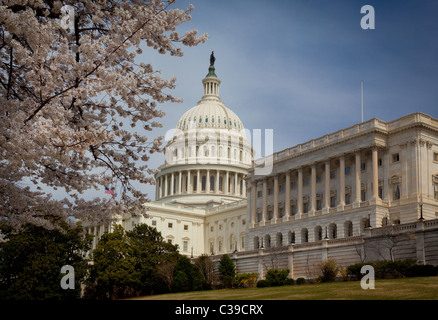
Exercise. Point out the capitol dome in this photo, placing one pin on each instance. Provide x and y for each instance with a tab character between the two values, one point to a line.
210	114
209	155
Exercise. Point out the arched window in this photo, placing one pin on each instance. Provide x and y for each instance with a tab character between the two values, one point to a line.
304	235
211	183
279	240
267	241
204	182
195	183
318	233
291	237
256	243
333	231
348	227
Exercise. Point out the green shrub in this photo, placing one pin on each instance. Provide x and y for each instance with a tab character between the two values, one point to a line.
289	282
353	271
263	283
393	269
329	270
277	277
301	281
422	271
245	280
227	271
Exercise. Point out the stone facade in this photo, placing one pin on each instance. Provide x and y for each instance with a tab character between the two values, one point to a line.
375	173
334	196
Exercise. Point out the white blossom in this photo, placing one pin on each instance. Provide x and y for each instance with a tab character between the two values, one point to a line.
69	101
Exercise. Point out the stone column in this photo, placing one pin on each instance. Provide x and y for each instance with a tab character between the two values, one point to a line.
207	185
327	188
253	201
172	183
236	187
357	173
387	186
189	182
375	167
165	185
198	181
216	182
313	189
287	196
276	216
341	183
300	192
180	182
226	183
264	197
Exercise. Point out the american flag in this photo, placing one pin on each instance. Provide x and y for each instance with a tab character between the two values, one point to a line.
109	191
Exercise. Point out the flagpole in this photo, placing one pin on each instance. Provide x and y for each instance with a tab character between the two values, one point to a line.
361	98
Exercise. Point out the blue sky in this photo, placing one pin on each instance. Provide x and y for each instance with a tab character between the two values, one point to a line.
296	66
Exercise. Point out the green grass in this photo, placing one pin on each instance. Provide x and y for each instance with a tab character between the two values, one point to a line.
419	288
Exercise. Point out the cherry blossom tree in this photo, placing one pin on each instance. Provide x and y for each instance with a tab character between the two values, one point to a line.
76	105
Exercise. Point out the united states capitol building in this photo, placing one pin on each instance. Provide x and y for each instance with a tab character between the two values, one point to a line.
362	193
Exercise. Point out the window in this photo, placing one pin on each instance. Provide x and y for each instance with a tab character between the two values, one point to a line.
306	207
186	227
435	157
348	198
293	185
347	170
363	166
396	191
170	225
281	188
154	223
435	191
333	202
332	174
204	182
259	194
185	246
395	157
211	229
380	192
318	204
211	183
293	210
220	183
306	181
195	183
169	241
269	191
379	162
318	178
363	195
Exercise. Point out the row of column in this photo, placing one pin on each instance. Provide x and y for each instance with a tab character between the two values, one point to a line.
224	182
341	203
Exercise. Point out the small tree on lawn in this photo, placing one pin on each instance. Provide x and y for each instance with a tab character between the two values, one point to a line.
227	271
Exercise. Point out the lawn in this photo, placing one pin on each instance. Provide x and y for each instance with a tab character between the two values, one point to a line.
418	288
